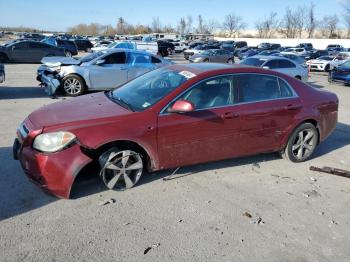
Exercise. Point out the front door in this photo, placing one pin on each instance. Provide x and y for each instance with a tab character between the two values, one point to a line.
209	133
111	73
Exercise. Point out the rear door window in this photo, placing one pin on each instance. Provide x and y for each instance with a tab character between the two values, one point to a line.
257	87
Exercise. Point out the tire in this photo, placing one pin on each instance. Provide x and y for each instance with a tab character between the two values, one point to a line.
3	58
327	68
206	61
298	77
301	144
73	85
330	80
230	61
120	169
68	54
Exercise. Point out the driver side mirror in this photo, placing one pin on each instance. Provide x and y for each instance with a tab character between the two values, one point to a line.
181	106
100	62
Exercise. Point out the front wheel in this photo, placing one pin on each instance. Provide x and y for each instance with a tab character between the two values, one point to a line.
73	85
68	54
120	169
302	143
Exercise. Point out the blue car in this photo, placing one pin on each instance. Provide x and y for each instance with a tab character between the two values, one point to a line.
248	53
341	73
69	46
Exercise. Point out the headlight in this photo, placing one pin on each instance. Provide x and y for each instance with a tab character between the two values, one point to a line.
53	142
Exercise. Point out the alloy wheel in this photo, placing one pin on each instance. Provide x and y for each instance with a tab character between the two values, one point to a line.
121	170
72	86
304	144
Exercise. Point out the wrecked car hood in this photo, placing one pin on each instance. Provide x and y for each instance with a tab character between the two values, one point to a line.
75	110
59	60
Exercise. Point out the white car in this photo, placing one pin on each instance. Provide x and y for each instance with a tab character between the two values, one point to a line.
119	44
325	63
280	64
296	51
180	47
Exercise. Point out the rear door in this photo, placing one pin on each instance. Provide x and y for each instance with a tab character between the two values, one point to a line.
209	133
111	73
267	108
38	51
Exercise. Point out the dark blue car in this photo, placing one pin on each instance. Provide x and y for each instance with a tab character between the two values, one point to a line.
249	53
69	46
341	73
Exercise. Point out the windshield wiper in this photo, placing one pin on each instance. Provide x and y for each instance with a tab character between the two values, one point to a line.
121	102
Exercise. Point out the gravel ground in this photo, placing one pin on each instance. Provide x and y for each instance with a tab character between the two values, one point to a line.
259	208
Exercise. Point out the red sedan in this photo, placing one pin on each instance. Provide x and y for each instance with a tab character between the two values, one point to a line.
174	116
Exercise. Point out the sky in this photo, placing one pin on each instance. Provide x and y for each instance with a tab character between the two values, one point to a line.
59	15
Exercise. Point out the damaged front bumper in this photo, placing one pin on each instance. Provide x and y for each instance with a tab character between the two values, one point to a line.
52	172
50	82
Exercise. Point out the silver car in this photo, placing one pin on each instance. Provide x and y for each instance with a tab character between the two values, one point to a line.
280	64
97	71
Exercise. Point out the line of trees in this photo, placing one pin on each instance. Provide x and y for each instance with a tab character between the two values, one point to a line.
298	22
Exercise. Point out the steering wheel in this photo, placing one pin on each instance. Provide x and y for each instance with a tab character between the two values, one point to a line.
160	83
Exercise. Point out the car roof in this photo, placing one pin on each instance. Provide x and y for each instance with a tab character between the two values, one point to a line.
269	58
199	68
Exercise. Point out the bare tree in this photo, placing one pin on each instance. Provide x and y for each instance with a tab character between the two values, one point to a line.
233	24
329	26
121	26
346	16
156	25
268	27
311	20
212	25
293	22
189	22
182	25
201	26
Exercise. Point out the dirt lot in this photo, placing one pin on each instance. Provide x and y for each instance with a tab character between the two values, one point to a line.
200	217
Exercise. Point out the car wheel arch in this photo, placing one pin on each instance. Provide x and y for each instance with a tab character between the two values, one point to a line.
310	120
79	75
5	56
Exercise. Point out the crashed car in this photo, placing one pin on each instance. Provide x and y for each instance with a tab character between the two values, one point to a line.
98	71
174	116
2	73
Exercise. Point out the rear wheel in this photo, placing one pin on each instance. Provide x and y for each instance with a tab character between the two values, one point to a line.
120	169
68	54
230	61
3	58
302	143
73	85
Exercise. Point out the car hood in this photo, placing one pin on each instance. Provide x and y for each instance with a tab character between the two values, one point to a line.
77	111
59	60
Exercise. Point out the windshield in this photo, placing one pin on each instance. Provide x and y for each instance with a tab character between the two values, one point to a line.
253	62
111	45
146	90
90	57
327	58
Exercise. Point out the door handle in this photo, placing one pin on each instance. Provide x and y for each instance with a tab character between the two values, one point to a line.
293	107
230	115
